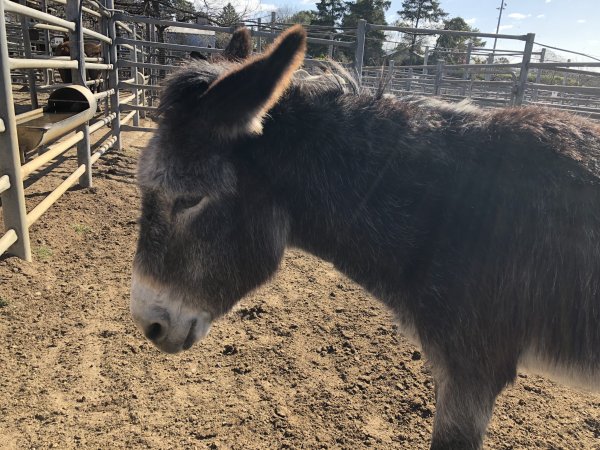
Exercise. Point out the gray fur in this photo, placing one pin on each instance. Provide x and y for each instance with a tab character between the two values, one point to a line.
479	228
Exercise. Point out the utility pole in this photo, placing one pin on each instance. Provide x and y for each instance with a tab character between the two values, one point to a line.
501	8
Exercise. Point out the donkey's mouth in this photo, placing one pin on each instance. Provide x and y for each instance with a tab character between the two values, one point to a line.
191	336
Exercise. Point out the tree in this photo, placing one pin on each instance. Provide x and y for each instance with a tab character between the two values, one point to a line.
373	11
229	16
329	12
418	11
303	17
453	49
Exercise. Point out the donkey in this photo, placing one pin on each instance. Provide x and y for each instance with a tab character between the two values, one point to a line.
479	229
91	50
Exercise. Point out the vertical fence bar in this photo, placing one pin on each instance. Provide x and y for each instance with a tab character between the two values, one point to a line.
106	56
48	72
522	83
391	69
538	75
439	76
76	50
13	199
359	54
114	77
425	60
468	60
27	47
136	77
488	75
259	39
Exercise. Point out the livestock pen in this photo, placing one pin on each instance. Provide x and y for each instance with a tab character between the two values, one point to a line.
311	361
134	63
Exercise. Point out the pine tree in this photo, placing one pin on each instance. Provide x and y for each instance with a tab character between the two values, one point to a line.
455	43
228	16
373	11
418	11
329	12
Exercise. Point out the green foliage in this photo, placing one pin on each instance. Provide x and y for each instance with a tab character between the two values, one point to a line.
418	11
3	302
81	229
43	253
457	44
228	16
373	11
329	12
303	17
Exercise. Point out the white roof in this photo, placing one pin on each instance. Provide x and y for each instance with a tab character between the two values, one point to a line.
189	31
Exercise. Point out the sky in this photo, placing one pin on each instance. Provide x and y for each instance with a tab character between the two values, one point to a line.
569	24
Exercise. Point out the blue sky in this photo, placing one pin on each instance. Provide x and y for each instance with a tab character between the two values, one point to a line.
570	24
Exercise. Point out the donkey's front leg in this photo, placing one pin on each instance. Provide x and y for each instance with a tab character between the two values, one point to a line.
464	403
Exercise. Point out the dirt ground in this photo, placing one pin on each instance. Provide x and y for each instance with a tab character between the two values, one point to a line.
309	361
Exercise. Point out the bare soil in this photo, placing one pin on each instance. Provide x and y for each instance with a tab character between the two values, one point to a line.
308	361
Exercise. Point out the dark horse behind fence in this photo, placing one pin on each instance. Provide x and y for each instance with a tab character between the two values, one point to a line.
91	50
479	229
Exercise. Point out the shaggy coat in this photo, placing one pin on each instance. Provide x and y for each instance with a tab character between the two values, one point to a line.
479	229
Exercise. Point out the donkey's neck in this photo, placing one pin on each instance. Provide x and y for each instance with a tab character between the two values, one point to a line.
341	168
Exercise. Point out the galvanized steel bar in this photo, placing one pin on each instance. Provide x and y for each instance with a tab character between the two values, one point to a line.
40	64
359	53
525	65
424	31
176	47
114	76
4	183
96	35
52	152
27	47
10	6
110	142
13	199
126	119
101	123
128	63
43	206
74	13
136	100
9	238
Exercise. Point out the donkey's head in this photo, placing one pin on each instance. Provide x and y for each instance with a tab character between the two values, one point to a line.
210	230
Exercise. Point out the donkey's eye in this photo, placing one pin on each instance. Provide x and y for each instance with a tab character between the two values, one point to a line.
187	202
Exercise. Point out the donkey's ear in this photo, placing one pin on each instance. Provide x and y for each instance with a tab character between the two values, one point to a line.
240	45
237	102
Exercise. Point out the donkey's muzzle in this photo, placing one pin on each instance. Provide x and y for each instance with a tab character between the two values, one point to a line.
163	317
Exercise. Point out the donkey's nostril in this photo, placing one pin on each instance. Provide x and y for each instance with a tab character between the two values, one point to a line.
155	331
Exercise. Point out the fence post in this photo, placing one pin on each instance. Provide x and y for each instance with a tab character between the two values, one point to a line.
47	72
361	31
74	14
136	78
425	60
114	77
13	199
522	83
538	75
488	75
27	47
391	70
259	39
468	60
439	75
